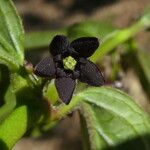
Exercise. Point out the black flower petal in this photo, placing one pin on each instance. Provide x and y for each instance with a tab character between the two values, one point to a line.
85	46
45	68
89	73
58	45
65	87
84	70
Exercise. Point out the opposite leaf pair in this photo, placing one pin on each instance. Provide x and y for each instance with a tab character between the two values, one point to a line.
69	62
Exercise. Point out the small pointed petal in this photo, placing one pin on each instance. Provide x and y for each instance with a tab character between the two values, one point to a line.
58	45
85	46
89	73
45	68
65	87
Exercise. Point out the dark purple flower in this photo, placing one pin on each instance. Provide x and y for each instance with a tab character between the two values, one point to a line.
69	62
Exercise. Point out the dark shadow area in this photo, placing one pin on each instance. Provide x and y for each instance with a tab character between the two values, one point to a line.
129	63
64	132
3	145
37	107
87	6
138	69
4	82
32	98
138	143
35	20
35	57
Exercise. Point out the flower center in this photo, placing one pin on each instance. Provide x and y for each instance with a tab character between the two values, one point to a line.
69	63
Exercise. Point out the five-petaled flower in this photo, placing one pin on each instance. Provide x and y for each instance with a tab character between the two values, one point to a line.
68	63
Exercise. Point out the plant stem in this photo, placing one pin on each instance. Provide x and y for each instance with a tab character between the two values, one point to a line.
62	110
116	38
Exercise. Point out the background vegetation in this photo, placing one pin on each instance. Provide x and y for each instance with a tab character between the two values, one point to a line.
109	117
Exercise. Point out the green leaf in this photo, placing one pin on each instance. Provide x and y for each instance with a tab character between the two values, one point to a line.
115	38
113	118
40	39
28	112
84	132
50	92
145	19
97	29
11	36
110	118
13	128
110	36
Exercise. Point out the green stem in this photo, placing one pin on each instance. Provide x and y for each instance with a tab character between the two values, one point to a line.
63	109
116	38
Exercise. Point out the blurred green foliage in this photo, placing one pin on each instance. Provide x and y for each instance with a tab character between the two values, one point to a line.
109	118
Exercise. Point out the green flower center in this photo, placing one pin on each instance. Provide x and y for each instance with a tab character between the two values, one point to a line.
69	63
